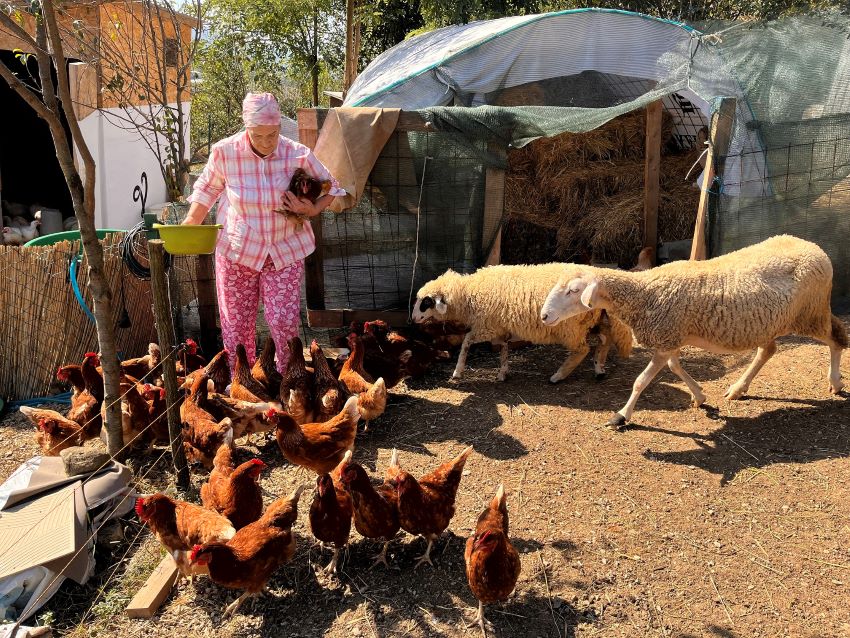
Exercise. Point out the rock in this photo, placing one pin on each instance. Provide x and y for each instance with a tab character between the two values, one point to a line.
84	460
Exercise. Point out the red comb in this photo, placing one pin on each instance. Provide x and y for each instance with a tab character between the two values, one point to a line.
191	342
257	462
90	354
271	412
140	504
194	554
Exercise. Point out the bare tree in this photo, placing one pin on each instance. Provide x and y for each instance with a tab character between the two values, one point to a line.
144	51
52	103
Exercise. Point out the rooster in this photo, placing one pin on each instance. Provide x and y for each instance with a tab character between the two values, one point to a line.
330	393
296	388
426	506
492	563
371	396
234	492
179	526
244	387
330	511
264	371
317	446
55	432
375	508
254	553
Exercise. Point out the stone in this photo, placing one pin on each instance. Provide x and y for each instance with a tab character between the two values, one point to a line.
84	460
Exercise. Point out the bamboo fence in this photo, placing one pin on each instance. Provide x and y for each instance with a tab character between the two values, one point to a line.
43	325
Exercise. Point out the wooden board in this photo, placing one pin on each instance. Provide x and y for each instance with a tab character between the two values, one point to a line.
719	138
651	172
342	318
153	593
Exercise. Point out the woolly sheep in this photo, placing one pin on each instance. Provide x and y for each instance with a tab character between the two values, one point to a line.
502	303
736	302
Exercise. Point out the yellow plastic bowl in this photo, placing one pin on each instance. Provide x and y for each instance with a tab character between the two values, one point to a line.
188	239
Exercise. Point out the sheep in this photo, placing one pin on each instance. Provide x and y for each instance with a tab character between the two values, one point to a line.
502	303
740	301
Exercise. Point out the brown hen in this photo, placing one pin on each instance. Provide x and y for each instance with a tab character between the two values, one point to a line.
265	371
202	434
234	492
297	386
330	512
54	431
244	387
330	393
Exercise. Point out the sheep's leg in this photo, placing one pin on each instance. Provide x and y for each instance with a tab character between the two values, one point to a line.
601	355
503	362
740	387
659	359
461	357
572	362
835	383
696	391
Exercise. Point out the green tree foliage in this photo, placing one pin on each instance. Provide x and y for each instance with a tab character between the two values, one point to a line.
292	48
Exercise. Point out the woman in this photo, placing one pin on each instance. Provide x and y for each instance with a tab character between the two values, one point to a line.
260	252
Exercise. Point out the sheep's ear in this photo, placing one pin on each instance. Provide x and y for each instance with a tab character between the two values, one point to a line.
588	295
441	306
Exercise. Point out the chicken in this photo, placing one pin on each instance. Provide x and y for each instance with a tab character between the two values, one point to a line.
305	186
443	335
426	506
330	393
246	418
29	231
218	370
72	374
415	357
645	259
190	360
371	397
202	434
141	367
255	552
12	236
55	432
264	371
155	396
492	563
136	415
234	491
85	406
375	509
317	446
330	511
179	526
243	386
296	388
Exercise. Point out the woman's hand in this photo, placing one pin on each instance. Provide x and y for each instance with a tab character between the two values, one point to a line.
298	206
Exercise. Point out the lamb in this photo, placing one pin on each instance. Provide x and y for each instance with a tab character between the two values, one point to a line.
502	303
742	300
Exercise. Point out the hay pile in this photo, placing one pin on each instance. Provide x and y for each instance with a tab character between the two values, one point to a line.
580	195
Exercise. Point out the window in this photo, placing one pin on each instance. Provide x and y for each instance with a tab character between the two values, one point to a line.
172	52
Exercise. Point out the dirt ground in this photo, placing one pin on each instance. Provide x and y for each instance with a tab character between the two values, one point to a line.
727	521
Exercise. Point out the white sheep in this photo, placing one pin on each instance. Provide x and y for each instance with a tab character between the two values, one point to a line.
736	302
502	303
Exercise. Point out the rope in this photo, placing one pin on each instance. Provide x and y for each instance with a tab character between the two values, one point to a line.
416	253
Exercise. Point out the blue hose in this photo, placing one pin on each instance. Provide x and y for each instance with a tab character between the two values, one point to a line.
64	398
76	287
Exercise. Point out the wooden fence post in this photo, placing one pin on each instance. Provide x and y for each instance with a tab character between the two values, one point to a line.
719	139
165	330
308	134
651	172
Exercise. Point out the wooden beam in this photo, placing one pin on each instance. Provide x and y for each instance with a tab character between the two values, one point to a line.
494	206
207	305
720	135
651	173
308	134
339	318
407	120
350	69
153	593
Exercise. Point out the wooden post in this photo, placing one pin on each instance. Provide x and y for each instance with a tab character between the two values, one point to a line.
308	134
651	172
207	308
348	75
494	206
164	328
720	136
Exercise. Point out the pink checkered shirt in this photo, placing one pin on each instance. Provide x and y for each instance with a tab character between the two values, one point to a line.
250	187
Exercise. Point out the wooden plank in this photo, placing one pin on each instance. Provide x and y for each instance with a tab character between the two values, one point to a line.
339	318
494	206
148	599
719	138
407	120
651	175
207	305
314	265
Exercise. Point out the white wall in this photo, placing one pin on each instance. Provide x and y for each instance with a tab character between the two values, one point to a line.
120	157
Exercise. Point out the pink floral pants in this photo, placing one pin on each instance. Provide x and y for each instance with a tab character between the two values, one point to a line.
240	289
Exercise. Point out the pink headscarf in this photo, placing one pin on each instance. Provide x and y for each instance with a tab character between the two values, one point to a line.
260	109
